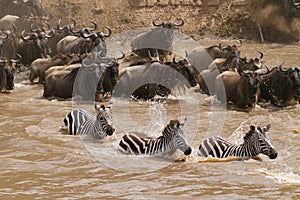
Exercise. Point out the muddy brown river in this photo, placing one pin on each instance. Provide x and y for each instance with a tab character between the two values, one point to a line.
38	162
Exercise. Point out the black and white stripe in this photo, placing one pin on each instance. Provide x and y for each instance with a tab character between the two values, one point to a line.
256	141
172	138
84	122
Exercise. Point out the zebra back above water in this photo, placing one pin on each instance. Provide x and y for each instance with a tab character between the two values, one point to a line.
84	122
256	141
172	138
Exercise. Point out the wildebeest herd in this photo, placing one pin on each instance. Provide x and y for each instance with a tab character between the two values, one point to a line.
72	62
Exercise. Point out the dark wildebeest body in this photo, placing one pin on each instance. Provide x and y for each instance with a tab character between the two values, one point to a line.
240	89
159	39
83	81
33	46
206	78
7	69
168	75
281	86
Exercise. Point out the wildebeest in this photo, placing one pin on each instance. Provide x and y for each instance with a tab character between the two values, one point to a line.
83	81
240	89
86	43
201	57
281	86
60	32
169	75
206	78
34	45
40	65
158	39
7	69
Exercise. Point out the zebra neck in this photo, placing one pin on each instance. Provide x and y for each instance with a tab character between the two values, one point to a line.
249	149
98	131
159	145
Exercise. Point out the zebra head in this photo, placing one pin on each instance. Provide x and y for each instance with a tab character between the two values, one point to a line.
176	134
265	146
105	119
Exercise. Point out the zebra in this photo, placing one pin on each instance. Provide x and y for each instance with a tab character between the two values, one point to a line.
172	138
82	122
256	141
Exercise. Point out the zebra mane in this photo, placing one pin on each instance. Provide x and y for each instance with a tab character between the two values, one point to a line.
251	132
170	127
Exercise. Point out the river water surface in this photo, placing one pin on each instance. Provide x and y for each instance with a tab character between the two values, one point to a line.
38	162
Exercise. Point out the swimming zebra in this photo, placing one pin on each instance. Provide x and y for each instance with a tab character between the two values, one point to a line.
172	138
256	141
82	121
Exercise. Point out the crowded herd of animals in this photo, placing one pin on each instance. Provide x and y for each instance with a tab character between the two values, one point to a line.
69	61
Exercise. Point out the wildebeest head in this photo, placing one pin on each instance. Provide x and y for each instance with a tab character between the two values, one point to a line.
293	74
160	38
39	40
98	39
250	84
229	50
186	69
7	68
252	64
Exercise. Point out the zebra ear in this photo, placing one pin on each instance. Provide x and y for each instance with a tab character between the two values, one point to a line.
109	106
252	127
267	127
174	123
182	123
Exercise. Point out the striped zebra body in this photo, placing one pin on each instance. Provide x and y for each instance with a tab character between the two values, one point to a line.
255	142
172	138
84	122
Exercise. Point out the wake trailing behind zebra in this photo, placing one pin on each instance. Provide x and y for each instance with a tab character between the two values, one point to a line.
84	122
172	138
256	141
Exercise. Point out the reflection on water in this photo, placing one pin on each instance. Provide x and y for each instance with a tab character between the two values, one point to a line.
38	162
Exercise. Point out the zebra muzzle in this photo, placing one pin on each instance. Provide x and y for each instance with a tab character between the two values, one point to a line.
110	130
273	154
188	151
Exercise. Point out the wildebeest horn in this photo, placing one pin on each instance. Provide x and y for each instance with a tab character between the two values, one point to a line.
296	4
3	60
181	24
174	59
58	25
241	42
47	17
281	68
109	31
15	61
72	26
48	34
31	28
186	54
48	26
25	38
154	23
93	28
88	35
123	56
261	55
5	37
